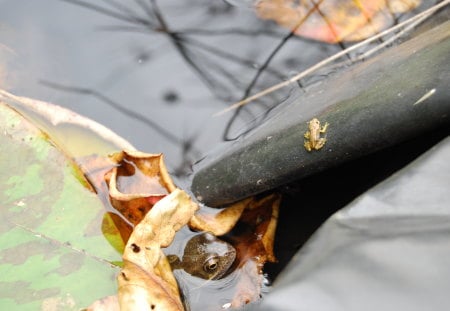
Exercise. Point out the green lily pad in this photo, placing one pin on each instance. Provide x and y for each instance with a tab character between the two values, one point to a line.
53	255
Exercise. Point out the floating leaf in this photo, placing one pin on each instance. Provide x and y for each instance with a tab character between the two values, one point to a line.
57	231
334	20
146	281
115	228
52	251
259	220
116	231
255	246
77	135
219	223
137	182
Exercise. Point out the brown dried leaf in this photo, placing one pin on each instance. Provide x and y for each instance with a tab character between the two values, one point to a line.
268	234
257	221
141	189
137	182
260	220
140	289
221	222
255	247
146	281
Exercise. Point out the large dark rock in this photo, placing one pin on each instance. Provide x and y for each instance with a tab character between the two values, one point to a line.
396	95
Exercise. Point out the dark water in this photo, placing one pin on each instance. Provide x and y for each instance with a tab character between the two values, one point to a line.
110	62
114	62
154	72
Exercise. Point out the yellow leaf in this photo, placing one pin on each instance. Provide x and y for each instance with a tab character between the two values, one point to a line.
146	281
219	223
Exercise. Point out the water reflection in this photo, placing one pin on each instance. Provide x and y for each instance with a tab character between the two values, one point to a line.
127	60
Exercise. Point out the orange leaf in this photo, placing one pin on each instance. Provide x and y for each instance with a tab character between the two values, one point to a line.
334	20
137	182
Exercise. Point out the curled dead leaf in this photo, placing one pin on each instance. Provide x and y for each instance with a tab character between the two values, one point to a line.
251	224
258	216
143	290
219	223
138	186
257	227
146	281
255	247
137	182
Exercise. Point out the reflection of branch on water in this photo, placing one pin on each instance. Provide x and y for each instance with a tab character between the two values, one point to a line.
394	32
187	146
118	13
232	31
151	20
188	56
262	69
233	57
132	114
203	59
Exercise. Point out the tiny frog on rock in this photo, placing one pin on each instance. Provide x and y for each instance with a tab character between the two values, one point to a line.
205	256
312	135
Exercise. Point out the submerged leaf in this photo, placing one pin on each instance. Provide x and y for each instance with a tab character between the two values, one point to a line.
116	231
255	247
334	20
77	135
109	303
256	230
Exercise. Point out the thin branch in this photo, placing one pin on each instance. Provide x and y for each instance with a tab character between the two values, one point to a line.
128	112
177	40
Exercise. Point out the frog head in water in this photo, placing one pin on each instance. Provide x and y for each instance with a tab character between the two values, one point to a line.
205	256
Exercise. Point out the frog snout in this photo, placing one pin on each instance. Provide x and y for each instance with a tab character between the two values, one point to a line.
217	266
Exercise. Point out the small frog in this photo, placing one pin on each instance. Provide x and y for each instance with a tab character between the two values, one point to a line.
314	141
205	256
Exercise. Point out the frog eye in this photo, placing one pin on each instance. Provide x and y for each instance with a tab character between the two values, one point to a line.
211	264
